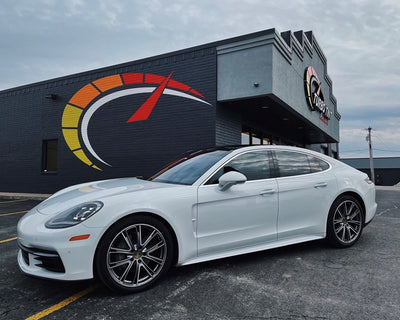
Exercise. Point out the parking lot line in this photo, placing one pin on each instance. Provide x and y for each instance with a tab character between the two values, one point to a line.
8	240
10	201
11	213
63	303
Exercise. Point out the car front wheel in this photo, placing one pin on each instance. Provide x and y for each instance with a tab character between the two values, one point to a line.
134	253
345	222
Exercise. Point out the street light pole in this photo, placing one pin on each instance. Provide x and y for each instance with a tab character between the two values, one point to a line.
371	159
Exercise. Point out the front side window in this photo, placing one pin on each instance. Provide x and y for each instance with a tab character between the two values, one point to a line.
254	165
292	163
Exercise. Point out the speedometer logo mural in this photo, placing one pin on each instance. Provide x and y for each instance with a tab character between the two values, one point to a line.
81	107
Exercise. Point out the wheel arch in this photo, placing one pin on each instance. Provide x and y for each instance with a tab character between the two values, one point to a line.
143	213
332	233
357	197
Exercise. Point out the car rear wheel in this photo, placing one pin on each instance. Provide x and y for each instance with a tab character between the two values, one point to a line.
134	254
345	222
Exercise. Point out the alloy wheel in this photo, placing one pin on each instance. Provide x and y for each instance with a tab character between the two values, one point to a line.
136	255
347	221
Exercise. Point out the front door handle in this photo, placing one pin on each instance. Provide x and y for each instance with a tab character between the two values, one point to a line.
267	192
320	185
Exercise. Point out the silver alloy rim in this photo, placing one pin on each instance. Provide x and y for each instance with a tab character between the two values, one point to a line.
347	221
136	255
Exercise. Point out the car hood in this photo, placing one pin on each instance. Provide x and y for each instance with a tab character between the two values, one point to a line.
75	195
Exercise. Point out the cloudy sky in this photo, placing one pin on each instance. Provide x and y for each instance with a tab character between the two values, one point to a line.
44	39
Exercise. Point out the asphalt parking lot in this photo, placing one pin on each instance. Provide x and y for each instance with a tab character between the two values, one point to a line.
307	281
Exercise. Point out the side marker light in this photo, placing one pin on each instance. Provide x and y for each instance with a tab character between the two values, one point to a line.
81	237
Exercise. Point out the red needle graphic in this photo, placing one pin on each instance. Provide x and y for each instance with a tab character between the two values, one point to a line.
147	107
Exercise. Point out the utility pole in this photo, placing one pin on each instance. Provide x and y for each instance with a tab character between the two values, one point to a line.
371	159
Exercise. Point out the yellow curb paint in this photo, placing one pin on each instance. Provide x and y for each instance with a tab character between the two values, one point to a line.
7	240
11	213
62	304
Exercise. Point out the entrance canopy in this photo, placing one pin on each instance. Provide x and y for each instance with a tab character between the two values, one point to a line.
270	118
278	84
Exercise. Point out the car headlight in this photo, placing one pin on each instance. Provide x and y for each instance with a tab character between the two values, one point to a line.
74	216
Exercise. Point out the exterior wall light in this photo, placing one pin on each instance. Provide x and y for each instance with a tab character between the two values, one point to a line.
256	84
51	96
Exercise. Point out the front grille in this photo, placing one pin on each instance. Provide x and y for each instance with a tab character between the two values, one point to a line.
49	260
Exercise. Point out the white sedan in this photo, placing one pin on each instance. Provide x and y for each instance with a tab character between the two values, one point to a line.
211	204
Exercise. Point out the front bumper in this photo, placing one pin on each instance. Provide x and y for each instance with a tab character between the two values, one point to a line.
49	253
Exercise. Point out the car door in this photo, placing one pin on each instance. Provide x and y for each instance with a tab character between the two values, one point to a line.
306	187
243	215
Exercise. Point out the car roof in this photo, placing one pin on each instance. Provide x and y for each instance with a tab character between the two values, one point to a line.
242	148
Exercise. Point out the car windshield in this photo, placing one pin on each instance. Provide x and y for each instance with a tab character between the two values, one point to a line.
188	171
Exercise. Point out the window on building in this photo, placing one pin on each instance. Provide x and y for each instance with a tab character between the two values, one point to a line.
49	155
245	138
253	137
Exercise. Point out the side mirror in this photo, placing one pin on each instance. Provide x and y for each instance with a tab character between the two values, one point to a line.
229	179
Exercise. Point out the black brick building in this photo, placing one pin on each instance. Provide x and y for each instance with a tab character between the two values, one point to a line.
131	119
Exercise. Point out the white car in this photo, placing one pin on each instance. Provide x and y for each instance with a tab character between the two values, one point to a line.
211	204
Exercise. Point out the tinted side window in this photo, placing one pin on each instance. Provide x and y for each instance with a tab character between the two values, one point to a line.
292	163
317	165
254	165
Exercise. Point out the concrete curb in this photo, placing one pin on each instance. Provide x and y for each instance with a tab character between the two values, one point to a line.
18	196
390	188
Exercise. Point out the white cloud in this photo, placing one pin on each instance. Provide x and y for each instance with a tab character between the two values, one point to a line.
45	39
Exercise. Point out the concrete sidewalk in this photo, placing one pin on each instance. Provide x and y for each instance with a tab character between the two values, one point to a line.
390	188
17	196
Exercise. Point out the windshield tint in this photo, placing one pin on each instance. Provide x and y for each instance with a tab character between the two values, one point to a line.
189	171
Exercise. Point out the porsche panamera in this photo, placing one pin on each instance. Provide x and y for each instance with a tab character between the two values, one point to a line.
210	204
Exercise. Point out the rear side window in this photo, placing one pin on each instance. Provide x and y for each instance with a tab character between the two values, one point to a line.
317	165
295	163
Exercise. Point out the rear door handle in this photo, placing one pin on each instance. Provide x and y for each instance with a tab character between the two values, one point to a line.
267	192
320	185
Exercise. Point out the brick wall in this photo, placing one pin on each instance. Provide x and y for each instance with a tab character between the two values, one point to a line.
175	125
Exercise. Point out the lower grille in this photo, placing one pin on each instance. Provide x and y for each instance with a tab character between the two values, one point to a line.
25	256
49	260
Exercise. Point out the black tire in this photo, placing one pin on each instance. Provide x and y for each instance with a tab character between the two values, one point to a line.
133	254
345	222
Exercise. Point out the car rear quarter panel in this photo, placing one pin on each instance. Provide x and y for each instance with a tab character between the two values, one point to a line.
351	180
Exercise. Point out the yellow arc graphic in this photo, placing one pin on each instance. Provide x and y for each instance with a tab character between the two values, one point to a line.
74	109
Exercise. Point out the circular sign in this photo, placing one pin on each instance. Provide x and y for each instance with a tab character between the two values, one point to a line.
315	98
